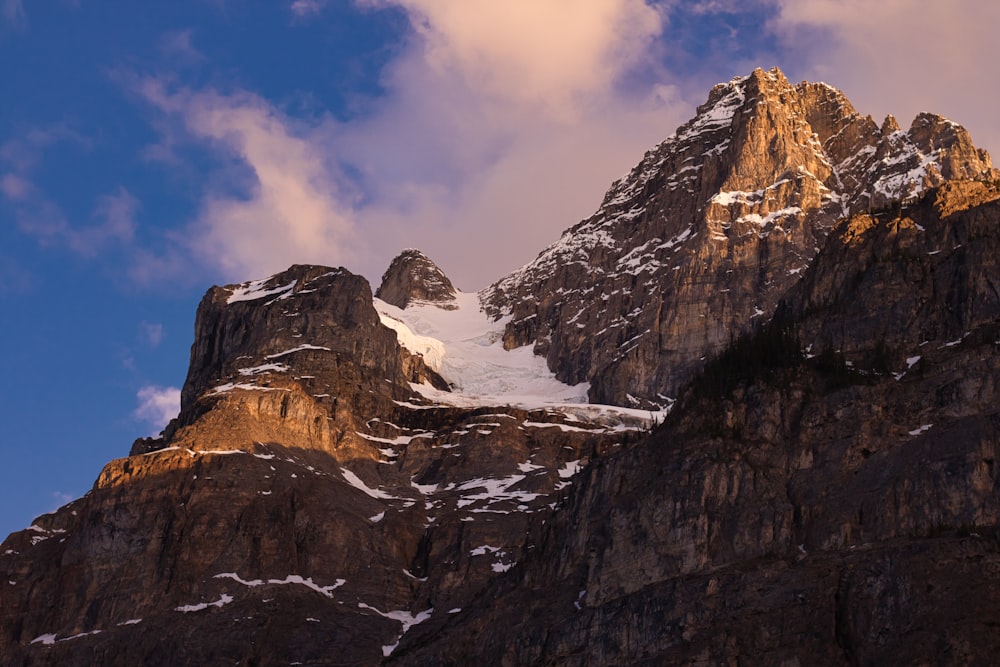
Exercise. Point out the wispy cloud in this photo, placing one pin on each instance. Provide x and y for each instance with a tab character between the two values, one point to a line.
495	118
14	187
42	218
178	45
502	123
281	202
157	405
544	53
151	333
306	8
13	12
111	223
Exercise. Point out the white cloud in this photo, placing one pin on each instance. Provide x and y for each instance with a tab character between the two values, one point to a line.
901	56
282	203
151	333
544	53
157	405
306	8
503	124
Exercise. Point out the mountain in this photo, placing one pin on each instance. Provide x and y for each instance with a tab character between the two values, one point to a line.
825	493
745	413
412	278
702	238
308	504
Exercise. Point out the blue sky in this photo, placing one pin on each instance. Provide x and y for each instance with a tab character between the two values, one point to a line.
150	150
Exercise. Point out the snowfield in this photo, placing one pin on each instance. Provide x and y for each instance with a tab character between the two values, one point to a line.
465	347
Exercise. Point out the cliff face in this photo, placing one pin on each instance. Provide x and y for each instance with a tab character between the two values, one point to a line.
825	493
360	480
701	239
307	505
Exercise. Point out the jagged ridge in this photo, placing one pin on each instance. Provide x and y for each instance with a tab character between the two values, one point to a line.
699	241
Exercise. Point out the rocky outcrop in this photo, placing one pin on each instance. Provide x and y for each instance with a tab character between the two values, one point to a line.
306	505
824	507
413	277
700	240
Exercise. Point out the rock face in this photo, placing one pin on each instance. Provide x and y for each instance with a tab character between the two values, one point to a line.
831	507
699	241
306	505
819	295
412	277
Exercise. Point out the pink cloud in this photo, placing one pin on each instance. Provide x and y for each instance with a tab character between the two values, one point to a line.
283	203
543	53
14	187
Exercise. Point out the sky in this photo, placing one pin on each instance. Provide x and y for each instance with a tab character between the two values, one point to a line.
150	150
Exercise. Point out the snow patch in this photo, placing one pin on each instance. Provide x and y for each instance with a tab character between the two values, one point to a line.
300	348
264	368
357	483
221	602
253	290
289	580
406	619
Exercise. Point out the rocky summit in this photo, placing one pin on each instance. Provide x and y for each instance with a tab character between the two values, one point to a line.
412	278
746	413
701	239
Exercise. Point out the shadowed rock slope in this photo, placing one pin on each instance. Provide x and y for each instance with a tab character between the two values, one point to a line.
832	507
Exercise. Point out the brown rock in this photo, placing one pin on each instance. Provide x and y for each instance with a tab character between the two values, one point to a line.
411	277
699	242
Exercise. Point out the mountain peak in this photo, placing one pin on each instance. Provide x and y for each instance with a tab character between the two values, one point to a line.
412	277
703	237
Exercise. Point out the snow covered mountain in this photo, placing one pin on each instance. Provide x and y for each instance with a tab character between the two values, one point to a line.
699	242
588	462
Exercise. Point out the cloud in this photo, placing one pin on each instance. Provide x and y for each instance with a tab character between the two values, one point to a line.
157	405
13	12
178	45
544	53
502	125
151	333
42	217
45	220
278	201
14	187
306	8
901	56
